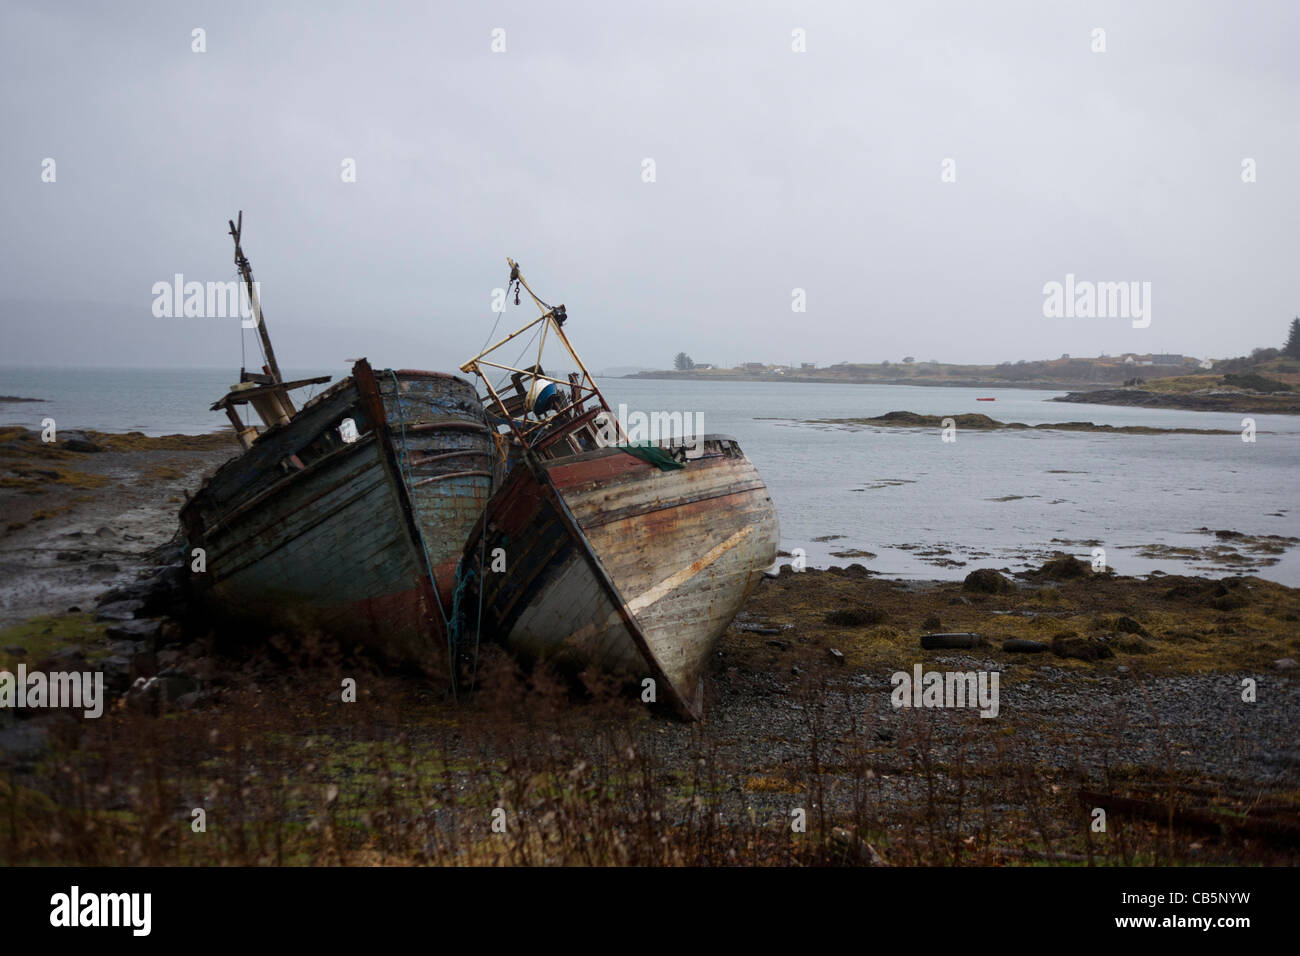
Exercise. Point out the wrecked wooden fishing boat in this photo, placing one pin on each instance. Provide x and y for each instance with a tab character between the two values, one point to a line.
348	515
595	551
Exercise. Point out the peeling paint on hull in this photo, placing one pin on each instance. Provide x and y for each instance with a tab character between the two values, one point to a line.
615	564
340	544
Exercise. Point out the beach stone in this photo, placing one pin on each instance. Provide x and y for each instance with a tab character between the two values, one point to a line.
853	571
1069	644
1021	646
1062	567
1284	664
986	581
117	673
118	610
835	654
136	630
14	649
126	592
78	441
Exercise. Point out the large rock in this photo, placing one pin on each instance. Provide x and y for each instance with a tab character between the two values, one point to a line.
163	593
1020	646
986	581
119	610
77	441
139	630
117	673
1062	567
1069	644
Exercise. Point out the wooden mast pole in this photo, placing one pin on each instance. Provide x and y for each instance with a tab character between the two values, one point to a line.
246	270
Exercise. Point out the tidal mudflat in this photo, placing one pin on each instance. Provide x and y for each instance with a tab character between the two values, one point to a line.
1168	701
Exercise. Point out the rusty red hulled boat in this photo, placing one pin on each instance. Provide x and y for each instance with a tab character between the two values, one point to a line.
598	552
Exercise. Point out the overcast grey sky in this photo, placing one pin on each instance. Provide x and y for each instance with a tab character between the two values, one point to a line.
774	170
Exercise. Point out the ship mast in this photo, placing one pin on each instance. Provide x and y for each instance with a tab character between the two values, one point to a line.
268	392
573	419
246	270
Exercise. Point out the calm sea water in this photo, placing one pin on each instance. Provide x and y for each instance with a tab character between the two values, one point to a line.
990	499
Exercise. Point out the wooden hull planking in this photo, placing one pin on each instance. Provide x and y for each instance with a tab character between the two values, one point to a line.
615	564
339	544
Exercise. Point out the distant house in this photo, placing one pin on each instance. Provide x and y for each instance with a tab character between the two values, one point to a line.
1129	360
704	365
754	367
807	365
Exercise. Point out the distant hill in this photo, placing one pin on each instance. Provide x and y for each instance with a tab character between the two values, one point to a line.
1062	374
1265	382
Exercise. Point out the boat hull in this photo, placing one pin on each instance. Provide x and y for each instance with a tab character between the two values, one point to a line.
306	531
615	564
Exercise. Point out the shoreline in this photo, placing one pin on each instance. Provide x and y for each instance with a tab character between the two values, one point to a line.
1208	400
980	422
848	380
1132	682
1211	400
